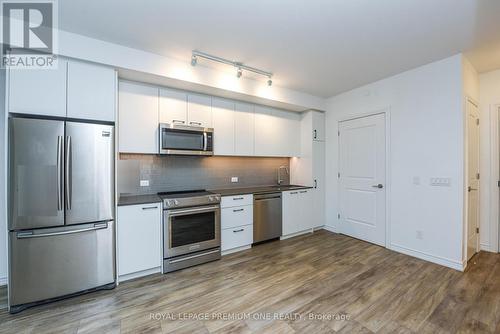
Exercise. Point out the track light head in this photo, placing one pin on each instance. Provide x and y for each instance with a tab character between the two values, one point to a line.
194	60
269	82
239	73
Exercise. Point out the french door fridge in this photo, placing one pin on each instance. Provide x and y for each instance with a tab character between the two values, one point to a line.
61	209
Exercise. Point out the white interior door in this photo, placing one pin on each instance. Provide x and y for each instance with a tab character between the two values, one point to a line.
472	179
362	178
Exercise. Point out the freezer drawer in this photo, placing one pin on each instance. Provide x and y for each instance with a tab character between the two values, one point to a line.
54	262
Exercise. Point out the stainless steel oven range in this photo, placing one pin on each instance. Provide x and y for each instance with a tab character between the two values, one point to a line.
191	228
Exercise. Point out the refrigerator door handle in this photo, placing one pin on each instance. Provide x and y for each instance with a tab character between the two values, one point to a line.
60	190
68	170
30	234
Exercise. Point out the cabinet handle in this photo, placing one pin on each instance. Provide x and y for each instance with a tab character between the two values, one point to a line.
240	230
237	198
238	210
315	134
315	184
195	123
294	193
150	208
178	121
303	192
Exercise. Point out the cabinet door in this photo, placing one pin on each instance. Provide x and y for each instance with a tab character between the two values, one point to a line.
265	132
223	123
138	118
291	212
244	129
38	92
287	133
139	235
318	174
91	91
199	110
318	121
306	212
173	106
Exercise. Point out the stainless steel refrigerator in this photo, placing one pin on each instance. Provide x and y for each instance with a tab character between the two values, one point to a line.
61	210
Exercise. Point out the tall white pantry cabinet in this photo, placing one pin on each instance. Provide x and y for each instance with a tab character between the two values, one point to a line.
309	168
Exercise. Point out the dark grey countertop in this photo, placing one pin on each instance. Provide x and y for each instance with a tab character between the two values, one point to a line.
153	198
257	190
138	199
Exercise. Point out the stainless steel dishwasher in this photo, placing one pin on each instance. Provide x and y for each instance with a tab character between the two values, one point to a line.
266	217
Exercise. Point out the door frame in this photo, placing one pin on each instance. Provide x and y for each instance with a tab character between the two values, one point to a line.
386	111
466	181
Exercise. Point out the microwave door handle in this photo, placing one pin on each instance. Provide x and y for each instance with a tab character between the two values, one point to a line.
205	141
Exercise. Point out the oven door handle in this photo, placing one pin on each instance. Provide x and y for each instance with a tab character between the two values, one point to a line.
179	212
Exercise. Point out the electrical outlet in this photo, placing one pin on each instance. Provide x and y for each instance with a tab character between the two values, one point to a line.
144	183
234	179
420	235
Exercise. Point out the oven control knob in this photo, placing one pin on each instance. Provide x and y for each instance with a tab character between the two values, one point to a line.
176	202
170	202
211	198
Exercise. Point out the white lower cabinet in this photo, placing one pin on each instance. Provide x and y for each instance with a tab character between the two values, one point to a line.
297	211
139	240
236	222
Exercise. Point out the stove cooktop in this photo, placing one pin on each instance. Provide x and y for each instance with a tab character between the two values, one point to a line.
188	198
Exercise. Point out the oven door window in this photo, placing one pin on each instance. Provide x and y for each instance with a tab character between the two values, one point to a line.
191	229
181	140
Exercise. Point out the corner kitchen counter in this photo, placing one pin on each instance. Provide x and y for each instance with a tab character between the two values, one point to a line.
257	190
138	199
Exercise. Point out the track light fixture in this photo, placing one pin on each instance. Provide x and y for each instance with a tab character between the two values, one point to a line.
239	66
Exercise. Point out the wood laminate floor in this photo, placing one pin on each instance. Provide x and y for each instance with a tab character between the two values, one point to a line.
317	283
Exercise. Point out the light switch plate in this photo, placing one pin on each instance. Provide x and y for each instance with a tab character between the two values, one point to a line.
234	179
440	181
144	183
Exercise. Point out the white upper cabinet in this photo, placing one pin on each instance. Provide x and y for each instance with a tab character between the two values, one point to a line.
277	132
173	106
318	124
38	92
91	91
265	132
288	133
199	110
138	118
223	124
244	129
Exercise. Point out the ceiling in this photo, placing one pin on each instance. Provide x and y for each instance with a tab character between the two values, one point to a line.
321	47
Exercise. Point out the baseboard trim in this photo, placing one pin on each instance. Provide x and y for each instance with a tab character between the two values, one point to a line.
235	250
138	274
329	228
487	248
288	236
3	281
453	264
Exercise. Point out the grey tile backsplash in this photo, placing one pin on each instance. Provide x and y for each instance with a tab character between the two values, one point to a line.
172	173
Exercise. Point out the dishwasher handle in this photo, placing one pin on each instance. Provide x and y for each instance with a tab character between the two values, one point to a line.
267	196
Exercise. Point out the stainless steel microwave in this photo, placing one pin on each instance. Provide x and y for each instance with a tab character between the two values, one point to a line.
186	140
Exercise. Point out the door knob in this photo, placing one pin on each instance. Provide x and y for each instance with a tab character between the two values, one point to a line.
379	186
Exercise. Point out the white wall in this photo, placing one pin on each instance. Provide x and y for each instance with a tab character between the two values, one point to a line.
3	187
426	140
489	100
